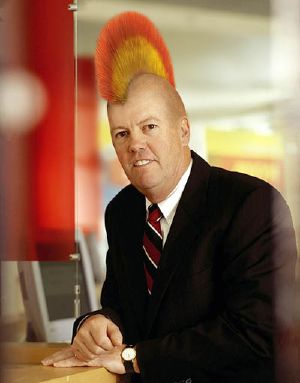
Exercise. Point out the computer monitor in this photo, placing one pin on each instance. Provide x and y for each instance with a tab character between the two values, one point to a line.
48	294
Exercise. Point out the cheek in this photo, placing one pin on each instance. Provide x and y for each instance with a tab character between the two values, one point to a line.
164	145
172	146
121	156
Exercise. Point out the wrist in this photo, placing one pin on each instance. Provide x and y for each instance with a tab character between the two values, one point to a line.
128	356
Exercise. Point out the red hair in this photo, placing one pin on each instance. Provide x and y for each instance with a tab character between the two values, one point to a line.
127	45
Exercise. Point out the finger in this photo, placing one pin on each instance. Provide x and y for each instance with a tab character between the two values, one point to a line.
96	327
97	362
115	335
78	355
70	362
101	339
81	351
58	356
90	348
91	344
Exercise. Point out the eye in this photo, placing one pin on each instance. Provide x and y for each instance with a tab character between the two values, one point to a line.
121	134
150	126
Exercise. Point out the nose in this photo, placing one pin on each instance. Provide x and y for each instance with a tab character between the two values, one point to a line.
137	142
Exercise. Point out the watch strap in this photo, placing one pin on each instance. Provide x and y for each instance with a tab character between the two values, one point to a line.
128	364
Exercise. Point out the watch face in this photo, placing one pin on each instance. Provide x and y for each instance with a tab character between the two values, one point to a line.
128	353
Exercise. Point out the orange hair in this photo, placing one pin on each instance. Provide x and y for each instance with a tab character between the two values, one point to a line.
129	44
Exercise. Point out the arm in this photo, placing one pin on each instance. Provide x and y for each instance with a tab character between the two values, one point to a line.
258	260
100	330
94	333
98	342
108	296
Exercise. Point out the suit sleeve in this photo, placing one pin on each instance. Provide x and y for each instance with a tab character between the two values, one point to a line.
258	261
109	295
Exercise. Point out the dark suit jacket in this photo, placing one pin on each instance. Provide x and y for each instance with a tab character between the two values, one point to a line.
211	316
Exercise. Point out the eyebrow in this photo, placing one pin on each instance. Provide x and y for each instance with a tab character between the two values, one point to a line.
148	119
116	127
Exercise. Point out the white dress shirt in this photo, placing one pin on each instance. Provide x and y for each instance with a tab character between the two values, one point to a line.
169	205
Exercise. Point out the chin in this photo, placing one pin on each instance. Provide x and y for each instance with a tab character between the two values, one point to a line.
145	187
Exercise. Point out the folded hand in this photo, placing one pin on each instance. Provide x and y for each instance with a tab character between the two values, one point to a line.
111	360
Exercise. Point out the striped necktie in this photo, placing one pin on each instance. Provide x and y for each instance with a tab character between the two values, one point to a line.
152	244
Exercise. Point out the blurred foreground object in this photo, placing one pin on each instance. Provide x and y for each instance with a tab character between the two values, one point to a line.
37	131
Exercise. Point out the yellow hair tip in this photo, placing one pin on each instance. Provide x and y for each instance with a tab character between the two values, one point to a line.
135	55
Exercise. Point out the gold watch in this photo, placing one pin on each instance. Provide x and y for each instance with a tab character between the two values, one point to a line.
128	355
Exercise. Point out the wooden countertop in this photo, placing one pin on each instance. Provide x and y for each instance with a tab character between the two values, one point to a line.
21	364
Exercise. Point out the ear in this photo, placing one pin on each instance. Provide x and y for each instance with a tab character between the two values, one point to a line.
185	131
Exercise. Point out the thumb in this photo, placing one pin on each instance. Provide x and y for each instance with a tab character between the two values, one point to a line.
58	356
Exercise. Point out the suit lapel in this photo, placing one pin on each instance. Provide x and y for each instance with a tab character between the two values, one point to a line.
185	228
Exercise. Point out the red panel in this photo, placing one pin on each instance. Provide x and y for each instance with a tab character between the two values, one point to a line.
87	164
50	57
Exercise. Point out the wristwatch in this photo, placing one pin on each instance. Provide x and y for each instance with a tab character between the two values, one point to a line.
128	355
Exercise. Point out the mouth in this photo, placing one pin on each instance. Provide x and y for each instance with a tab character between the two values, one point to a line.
141	163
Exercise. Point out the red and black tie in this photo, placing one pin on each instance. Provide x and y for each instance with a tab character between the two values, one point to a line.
152	244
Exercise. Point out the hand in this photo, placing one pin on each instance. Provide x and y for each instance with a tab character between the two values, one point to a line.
96	335
111	360
62	356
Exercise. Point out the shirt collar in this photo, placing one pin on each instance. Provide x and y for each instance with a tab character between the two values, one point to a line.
169	205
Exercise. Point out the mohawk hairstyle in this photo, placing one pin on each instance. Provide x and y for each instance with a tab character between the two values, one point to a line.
129	44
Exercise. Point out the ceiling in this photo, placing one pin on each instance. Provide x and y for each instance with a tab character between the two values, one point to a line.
254	7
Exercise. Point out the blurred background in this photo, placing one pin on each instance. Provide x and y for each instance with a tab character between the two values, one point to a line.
237	68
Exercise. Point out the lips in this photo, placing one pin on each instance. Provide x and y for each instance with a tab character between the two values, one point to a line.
141	163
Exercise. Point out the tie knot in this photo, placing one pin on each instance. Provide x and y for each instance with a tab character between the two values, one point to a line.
154	213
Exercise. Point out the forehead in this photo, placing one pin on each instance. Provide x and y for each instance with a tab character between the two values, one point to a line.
142	102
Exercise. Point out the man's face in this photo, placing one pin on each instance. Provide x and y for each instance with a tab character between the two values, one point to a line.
150	138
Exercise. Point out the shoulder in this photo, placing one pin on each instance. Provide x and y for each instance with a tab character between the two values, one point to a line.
223	192
124	200
230	193
241	193
237	181
238	186
223	182
127	192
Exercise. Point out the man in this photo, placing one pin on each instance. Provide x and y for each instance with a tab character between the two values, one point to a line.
206	312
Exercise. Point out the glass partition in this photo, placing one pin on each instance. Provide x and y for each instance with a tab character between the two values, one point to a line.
236	67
